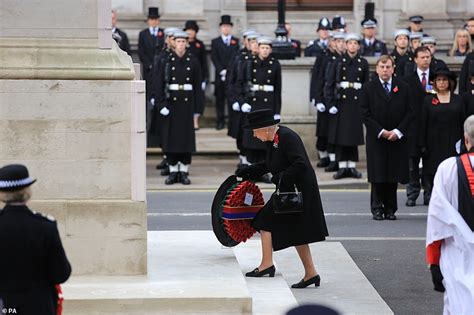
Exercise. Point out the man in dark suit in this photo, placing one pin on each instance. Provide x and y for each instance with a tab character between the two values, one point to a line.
319	46
387	113
294	42
120	36
33	262
223	49
150	42
430	43
420	86
465	83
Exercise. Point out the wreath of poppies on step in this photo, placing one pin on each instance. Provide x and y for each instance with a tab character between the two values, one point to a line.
241	204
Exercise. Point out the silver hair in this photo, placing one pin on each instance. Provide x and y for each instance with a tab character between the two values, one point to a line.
20	195
469	129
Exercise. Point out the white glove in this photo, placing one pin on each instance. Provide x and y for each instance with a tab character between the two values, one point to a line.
276	116
333	110
236	106
165	111
152	101
313	102
321	107
203	85
223	78
246	108
223	73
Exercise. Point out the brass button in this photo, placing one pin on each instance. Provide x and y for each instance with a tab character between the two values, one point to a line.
268	81
270	62
254	80
269	71
343	68
173	78
188	68
360	69
172	68
174	98
254	99
355	97
358	60
343	78
187	79
265	100
343	96
173	59
188	59
185	99
254	70
344	59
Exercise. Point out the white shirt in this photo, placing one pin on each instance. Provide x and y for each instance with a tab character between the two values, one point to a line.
226	39
369	41
389	86
153	31
420	74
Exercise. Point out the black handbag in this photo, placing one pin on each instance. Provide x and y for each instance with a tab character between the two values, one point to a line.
287	202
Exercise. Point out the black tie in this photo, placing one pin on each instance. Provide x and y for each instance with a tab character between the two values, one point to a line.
385	86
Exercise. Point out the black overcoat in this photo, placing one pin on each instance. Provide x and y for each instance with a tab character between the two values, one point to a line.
234	92
178	134
32	261
465	84
314	48
221	56
387	161
345	127
198	50
122	40
441	127
290	161
468	100
148	47
404	65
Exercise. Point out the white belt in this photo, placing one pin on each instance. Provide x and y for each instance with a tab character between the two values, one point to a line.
349	85
264	88
180	87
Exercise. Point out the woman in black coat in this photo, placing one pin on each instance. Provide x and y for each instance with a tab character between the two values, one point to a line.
286	159
441	124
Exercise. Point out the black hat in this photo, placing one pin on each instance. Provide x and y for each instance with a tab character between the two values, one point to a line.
416	19
153	13
369	20
338	23
191	25
324	24
226	19
260	118
312	309
14	177
444	71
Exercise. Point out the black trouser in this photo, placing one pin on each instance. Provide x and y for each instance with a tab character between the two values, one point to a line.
174	158
331	148
427	187
322	144
416	182
347	153
220	100
383	197
255	156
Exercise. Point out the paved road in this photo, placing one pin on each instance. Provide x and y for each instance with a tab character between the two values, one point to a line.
389	253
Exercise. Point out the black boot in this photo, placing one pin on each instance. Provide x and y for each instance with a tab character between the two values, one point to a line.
324	162
163	164
172	178
354	173
183	178
165	171
332	167
342	173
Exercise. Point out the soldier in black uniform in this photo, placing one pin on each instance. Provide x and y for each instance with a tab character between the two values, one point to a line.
33	262
179	94
347	75
430	43
150	43
223	48
120	36
197	48
319	46
369	45
261	77
402	56
415	40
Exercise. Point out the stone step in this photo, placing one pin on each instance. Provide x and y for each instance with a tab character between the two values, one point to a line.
189	272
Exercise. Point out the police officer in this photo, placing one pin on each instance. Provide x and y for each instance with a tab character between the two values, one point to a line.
347	75
33	261
197	48
416	24
430	43
370	46
179	94
120	36
150	43
402	56
223	48
262	78
320	45
339	24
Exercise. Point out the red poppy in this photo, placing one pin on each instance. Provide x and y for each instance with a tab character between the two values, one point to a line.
233	42
198	45
276	140
160	34
295	44
435	101
395	89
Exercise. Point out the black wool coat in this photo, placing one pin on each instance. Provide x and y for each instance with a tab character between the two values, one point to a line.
178	135
468	100
148	47
465	84
404	65
122	41
314	48
198	50
387	161
441	127
32	262
289	161
221	56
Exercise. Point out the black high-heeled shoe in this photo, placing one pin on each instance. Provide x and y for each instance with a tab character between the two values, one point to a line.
303	284
257	273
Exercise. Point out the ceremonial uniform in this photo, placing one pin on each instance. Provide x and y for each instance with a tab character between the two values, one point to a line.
375	48
121	39
198	50
345	123
386	108
404	65
180	93
319	46
369	45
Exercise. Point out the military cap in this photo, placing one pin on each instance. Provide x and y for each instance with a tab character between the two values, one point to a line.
248	32
254	35
416	19
324	24
339	35
428	40
352	36
369	23
180	34
265	40
401	32
416	35
169	31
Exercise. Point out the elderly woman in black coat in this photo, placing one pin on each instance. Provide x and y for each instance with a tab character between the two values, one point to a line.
288	162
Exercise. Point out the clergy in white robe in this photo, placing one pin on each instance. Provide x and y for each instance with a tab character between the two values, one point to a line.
449	234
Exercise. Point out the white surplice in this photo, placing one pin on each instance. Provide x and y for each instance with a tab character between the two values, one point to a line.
457	251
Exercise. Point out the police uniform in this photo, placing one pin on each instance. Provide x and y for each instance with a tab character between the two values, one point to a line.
262	81
222	51
372	47
416	19
405	64
345	129
318	47
179	94
150	43
33	261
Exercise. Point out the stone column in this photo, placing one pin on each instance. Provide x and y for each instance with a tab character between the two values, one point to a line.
71	110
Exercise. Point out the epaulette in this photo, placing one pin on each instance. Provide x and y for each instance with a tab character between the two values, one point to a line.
310	43
44	216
